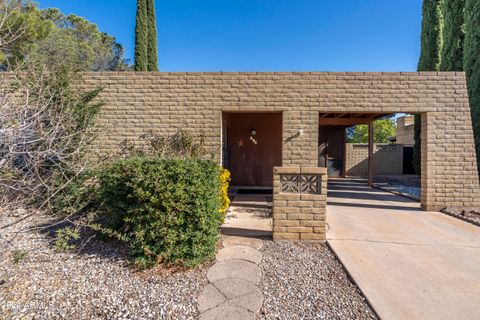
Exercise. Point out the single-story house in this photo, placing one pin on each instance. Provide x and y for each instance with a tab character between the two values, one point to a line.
267	128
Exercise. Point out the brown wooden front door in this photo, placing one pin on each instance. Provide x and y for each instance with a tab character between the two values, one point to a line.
255	147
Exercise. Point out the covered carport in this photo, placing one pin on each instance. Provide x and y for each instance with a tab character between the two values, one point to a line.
332	146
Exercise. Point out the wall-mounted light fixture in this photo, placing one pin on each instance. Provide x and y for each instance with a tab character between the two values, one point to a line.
253	132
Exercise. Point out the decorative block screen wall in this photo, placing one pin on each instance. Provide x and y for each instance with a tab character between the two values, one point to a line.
299	203
136	102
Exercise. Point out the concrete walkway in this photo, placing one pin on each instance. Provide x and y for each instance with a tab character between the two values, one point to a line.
410	264
249	215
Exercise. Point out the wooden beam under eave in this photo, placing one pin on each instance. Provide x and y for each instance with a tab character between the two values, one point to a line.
344	153
370	153
343	121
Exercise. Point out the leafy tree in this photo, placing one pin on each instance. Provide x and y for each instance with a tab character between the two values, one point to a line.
141	37
51	38
453	36
79	43
152	37
30	29
472	64
430	54
383	130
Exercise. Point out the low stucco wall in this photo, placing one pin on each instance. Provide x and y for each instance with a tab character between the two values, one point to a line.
387	159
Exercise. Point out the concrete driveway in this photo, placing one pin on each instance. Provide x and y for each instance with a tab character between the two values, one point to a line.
410	264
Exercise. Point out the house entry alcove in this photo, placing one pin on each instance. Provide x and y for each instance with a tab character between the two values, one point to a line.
252	146
331	149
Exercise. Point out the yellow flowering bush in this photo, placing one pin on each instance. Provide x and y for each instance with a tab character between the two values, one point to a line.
224	183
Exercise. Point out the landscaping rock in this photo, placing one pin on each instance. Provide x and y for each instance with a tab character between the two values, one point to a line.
298	281
306	281
404	185
96	282
471	215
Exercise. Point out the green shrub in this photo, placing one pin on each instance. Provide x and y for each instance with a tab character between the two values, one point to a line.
168	209
18	256
65	238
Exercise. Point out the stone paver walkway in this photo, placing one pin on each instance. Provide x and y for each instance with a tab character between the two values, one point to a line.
233	292
410	264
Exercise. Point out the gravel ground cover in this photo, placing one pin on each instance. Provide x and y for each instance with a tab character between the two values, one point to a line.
306	281
95	283
407	185
471	215
409	191
300	281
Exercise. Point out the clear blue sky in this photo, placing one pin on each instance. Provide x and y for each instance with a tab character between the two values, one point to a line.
268	35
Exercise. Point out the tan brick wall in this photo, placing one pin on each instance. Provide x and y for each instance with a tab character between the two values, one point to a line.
387	159
164	102
299	214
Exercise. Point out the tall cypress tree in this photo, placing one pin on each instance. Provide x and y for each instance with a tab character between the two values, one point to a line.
431	44
141	37
453	35
152	50
431	38
472	65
